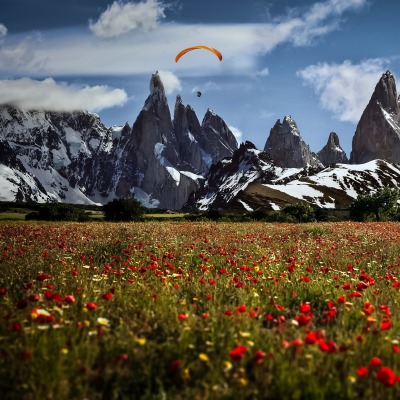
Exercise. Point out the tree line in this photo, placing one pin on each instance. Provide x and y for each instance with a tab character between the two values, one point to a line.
382	204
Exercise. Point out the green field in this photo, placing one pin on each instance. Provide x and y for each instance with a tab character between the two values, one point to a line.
179	310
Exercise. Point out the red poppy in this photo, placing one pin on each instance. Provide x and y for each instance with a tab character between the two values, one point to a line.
328	347
362	371
297	342
241	309
305	308
16	326
302	319
375	362
386	376
312	337
355	294
259	356
222	271
346	286
175	365
34	297
183	317
386	324
42	277
91	306
69	299
107	296
238	352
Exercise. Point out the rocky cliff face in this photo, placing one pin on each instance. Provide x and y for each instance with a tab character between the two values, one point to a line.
52	153
287	148
232	175
250	180
332	153
378	132
73	157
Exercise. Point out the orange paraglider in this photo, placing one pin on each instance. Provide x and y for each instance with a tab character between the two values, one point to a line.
184	51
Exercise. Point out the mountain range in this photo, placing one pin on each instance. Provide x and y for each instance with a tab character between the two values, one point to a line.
176	162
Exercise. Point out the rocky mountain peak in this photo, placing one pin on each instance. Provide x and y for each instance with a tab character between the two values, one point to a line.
157	92
286	147
386	93
216	137
332	153
377	134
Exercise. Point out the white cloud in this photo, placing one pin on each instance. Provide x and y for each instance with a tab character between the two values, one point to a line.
170	81
19	55
52	96
301	29
72	52
344	89
237	133
263	72
3	32
120	18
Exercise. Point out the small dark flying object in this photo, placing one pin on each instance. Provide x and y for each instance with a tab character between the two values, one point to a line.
198	94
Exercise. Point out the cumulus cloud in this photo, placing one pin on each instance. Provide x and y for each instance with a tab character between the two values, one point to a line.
344	89
237	133
120	18
170	81
52	96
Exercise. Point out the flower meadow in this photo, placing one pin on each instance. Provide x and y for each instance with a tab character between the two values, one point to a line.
205	310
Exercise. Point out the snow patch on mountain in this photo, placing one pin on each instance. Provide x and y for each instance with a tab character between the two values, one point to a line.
145	199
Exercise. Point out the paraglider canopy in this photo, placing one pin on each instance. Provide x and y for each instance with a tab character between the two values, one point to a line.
184	51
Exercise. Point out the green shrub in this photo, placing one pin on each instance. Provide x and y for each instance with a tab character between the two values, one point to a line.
380	204
303	212
126	209
58	212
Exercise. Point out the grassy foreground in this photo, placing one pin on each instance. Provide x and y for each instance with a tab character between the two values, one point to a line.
178	310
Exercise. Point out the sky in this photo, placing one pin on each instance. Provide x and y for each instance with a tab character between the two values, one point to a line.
318	61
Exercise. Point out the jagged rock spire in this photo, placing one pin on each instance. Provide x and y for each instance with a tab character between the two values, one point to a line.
157	92
386	93
332	153
378	132
286	147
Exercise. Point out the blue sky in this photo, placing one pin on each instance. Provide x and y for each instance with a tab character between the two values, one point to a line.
317	61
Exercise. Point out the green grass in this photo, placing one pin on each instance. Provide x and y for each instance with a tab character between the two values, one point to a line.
158	310
12	216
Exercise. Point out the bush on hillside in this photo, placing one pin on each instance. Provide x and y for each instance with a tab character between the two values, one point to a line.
381	203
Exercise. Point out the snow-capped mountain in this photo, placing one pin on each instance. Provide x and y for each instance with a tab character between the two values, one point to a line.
250	180
45	155
293	173
180	162
74	158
